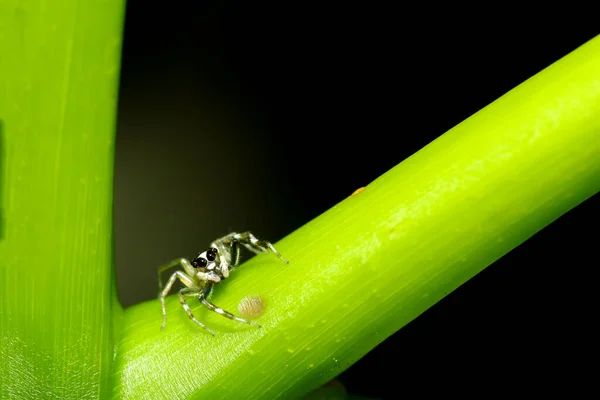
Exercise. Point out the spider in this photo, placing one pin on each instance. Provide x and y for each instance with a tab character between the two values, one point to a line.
209	268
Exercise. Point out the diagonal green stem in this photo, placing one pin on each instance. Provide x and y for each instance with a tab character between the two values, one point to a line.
375	261
59	64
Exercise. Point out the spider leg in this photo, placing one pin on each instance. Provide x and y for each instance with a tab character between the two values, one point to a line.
222	312
195	292
187	266
251	242
186	280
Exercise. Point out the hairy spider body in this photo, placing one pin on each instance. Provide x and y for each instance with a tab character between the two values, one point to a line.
209	268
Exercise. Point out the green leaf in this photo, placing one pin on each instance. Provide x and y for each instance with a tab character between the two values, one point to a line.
59	65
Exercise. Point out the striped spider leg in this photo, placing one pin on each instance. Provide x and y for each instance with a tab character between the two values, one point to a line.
208	269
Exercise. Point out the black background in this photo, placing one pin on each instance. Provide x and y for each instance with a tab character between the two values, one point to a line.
253	115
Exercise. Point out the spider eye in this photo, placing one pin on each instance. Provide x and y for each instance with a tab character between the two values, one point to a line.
211	254
199	262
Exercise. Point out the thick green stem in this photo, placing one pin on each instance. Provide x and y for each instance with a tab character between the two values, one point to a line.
59	65
378	259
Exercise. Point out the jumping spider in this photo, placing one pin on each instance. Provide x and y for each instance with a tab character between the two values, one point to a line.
209	268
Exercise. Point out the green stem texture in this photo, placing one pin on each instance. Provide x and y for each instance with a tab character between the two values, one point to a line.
59	66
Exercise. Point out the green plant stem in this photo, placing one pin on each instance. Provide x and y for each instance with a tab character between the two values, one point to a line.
375	261
59	65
